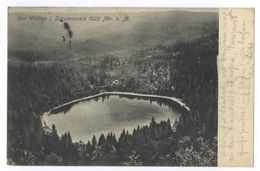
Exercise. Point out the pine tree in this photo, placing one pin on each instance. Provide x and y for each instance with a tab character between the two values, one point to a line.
88	145
55	140
152	128
94	142
153	123
169	127
101	140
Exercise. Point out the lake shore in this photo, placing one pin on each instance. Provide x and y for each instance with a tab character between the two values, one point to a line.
123	93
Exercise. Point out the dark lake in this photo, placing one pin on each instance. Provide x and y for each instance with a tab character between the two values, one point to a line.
110	113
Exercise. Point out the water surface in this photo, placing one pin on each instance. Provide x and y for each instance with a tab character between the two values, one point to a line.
110	113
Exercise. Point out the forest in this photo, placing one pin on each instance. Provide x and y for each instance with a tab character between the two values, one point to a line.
152	145
186	70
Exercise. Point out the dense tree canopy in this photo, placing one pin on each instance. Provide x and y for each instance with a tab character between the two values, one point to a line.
186	70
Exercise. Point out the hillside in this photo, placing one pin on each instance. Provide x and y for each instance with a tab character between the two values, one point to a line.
27	38
171	53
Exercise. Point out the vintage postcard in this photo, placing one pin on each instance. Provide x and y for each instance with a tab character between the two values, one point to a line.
130	86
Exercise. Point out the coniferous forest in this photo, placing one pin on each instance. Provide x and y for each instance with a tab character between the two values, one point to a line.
184	68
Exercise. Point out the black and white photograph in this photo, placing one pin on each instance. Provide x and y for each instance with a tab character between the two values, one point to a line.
112	86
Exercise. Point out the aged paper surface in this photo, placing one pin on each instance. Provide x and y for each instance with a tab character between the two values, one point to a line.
235	102
235	69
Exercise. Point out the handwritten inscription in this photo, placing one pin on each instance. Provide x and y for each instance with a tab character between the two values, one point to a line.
235	67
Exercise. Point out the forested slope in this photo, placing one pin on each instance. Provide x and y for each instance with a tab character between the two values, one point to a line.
185	69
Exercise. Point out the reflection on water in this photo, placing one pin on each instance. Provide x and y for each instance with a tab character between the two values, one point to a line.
110	113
